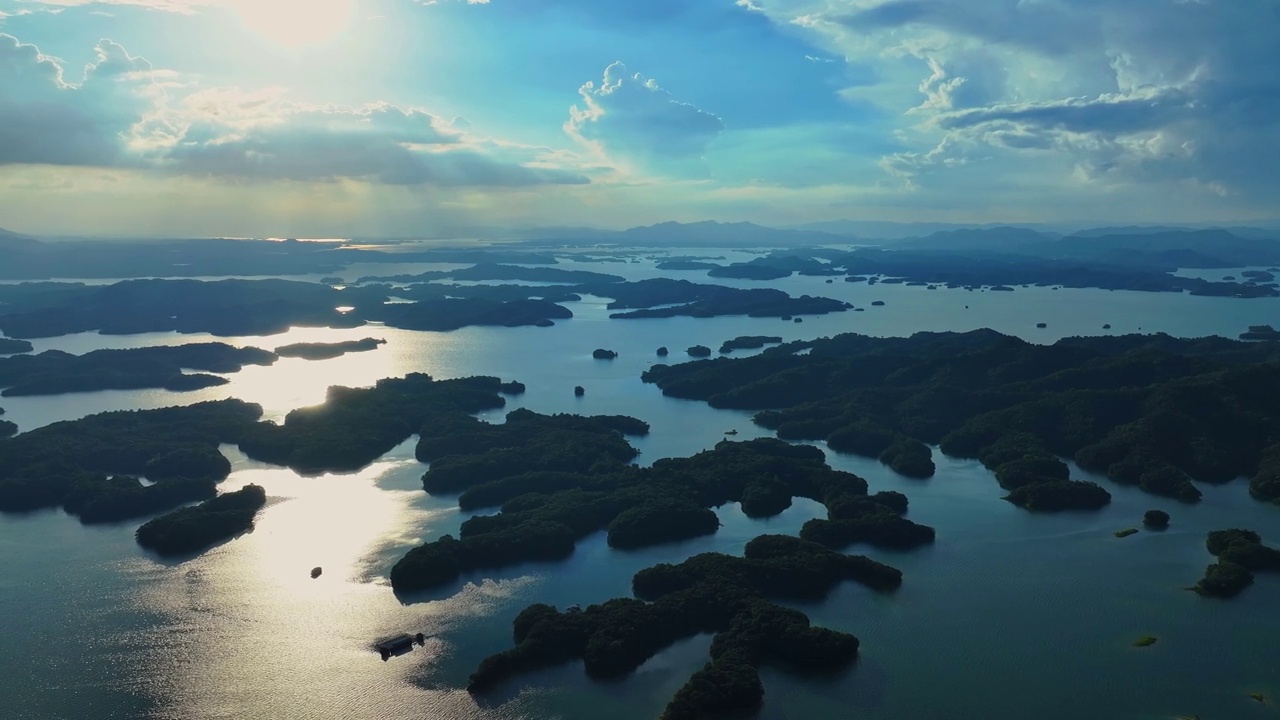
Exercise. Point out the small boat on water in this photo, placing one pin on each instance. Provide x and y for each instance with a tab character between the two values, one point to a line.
315	572
399	645
732	432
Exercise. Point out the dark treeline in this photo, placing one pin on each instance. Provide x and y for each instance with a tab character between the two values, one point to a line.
7	429
748	342
1151	411
13	347
709	593
55	372
71	464
223	307
242	307
1086	263
492	271
455	313
558	479
264	307
1240	553
326	351
25	259
193	529
356	426
685	299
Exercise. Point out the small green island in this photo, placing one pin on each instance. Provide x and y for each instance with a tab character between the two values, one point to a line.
710	593
1146	641
699	351
328	351
1240	553
603	354
194	529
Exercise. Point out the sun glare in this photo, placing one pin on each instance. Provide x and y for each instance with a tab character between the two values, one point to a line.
295	24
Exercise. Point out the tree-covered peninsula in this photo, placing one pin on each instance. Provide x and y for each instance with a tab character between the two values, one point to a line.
355	426
560	478
1151	411
710	593
76	464
54	372
13	347
194	529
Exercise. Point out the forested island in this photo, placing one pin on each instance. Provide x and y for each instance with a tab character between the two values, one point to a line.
54	372
748	342
355	426
13	347
328	351
194	529
228	308
560	478
7	429
493	271
709	593
665	298
1072	262
1240	553
1151	411
72	463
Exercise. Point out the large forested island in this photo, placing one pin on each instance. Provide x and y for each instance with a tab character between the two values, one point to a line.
54	372
709	593
560	478
227	308
1151	411
190	530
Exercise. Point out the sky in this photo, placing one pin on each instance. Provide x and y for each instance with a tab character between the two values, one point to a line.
333	118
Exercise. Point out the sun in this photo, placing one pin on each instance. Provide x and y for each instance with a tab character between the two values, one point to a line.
296	24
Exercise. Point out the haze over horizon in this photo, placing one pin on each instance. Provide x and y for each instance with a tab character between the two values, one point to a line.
330	118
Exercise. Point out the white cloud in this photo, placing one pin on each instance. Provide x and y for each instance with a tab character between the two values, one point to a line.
1165	91
119	115
630	116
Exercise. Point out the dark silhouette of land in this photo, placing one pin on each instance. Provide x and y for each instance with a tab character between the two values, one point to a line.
560	478
54	372
709	593
328	351
191	530
1240	553
13	347
1150	411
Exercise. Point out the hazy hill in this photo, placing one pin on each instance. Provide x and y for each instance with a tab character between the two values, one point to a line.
707	234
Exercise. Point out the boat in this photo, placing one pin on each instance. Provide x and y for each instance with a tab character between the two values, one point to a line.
732	432
399	645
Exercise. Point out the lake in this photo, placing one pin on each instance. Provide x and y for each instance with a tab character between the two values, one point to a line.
1009	616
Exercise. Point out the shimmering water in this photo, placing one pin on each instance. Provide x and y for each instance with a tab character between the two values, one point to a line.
1008	616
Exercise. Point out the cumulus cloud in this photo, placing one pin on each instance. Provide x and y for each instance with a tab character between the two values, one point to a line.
1181	91
44	118
118	115
632	116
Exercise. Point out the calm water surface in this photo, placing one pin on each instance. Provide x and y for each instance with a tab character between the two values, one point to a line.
1009	616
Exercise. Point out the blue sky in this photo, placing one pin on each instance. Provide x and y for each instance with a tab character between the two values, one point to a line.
408	117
